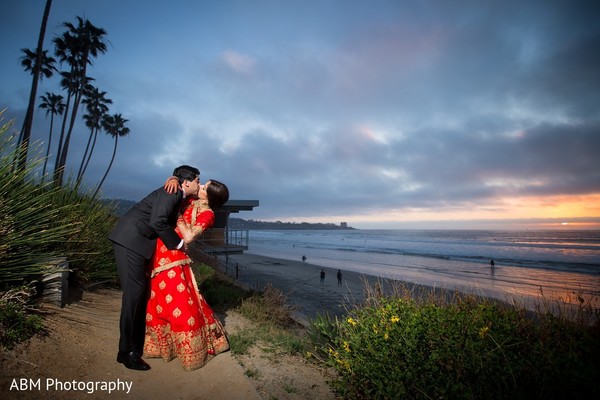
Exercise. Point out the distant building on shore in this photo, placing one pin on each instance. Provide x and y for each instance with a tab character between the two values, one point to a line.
238	223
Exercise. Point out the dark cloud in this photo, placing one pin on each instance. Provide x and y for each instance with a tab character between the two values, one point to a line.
326	110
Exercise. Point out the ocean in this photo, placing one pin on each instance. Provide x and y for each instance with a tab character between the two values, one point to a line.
563	265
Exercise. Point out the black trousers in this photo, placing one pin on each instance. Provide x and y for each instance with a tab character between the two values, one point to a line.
132	269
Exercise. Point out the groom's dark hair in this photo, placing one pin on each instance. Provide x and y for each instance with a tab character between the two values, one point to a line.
186	173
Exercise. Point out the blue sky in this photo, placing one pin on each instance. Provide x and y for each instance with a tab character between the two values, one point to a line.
391	114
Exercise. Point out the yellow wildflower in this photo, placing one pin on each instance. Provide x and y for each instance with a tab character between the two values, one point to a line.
351	321
483	331
394	319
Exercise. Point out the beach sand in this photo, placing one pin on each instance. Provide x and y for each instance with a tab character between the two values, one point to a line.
300	283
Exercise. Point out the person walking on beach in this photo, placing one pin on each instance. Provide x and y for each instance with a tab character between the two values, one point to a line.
134	241
339	276
322	277
303	258
492	264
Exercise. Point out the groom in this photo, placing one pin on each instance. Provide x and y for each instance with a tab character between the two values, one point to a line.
134	241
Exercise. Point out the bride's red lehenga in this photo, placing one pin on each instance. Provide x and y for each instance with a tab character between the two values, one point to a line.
179	322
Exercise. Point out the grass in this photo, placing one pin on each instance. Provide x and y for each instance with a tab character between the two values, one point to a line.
290	388
273	328
252	373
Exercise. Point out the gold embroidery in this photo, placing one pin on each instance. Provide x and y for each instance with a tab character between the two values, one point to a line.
148	317
152	294
191	321
162	285
167	265
180	287
164	261
171	274
169	298
158	309
194	348
176	312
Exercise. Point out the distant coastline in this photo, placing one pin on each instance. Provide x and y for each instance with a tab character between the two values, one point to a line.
239	223
121	206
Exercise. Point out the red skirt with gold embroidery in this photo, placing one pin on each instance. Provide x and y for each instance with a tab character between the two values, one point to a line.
179	322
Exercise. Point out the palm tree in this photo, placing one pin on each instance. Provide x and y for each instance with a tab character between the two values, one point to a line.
96	105
114	125
28	62
69	82
77	47
54	105
36	68
29	59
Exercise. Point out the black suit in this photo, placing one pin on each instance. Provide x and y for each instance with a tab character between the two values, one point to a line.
134	241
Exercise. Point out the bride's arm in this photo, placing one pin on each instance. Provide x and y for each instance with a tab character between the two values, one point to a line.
171	184
186	232
189	233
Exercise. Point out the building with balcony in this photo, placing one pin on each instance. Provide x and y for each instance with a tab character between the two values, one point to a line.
220	240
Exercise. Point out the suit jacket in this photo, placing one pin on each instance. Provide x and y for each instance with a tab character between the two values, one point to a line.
154	216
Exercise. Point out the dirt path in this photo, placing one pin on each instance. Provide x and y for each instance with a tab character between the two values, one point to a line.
79	351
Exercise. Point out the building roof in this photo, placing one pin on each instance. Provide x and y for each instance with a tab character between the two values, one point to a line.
233	206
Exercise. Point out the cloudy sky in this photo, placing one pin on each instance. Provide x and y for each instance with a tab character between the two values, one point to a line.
389	114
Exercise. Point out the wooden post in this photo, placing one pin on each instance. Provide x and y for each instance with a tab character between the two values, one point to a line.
55	284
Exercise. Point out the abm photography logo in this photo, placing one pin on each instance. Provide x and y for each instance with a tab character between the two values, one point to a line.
52	384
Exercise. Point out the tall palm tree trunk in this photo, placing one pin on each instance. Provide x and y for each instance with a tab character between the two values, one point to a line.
65	150
90	155
85	155
62	136
28	122
48	147
109	166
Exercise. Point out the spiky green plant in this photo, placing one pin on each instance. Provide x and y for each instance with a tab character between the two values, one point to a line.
40	222
89	251
29	234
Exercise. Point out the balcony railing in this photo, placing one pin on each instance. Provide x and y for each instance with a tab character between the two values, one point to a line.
237	237
221	241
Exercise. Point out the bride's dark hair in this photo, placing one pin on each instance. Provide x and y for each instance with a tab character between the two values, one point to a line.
217	194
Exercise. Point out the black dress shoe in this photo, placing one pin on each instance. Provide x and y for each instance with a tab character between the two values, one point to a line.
132	360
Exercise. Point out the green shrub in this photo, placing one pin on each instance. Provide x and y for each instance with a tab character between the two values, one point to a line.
269	306
40	222
17	323
218	290
88	249
565	359
273	328
469	349
322	334
31	231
